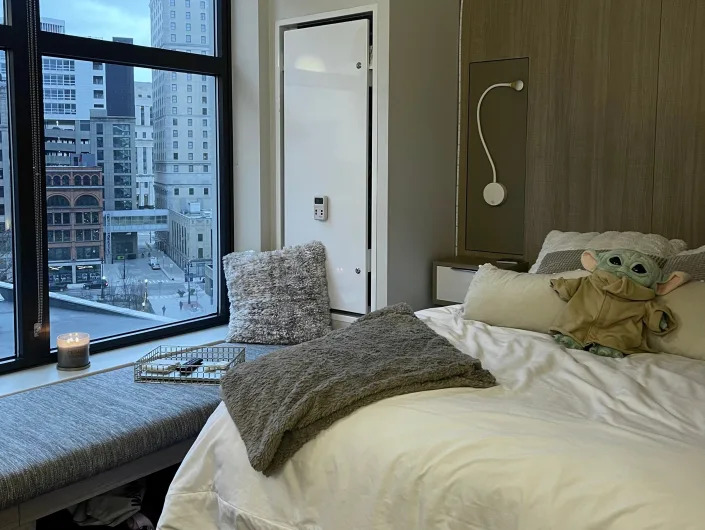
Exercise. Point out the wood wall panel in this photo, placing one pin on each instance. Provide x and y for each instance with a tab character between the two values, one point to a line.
592	107
679	176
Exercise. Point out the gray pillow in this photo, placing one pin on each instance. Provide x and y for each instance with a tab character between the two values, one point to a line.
690	261
278	297
569	260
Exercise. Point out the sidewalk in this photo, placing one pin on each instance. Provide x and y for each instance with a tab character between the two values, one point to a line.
200	304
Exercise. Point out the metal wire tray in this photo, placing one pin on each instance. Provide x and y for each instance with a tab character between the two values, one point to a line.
161	365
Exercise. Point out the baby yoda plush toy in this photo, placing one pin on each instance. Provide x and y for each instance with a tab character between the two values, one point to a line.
608	312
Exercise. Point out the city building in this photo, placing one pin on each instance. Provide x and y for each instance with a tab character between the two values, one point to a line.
190	239
144	143
184	130
71	88
74	224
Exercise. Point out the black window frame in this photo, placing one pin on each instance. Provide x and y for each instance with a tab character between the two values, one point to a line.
25	44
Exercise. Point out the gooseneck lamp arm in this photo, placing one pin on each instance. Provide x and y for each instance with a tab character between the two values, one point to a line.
494	193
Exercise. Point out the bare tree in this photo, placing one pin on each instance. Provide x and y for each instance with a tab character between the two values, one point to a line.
6	256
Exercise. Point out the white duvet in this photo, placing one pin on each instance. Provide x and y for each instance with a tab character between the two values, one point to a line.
567	441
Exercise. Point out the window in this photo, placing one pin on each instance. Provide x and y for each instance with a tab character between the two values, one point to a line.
188	27
190	145
175	121
205	191
190	133
190	168
174	87
190	156
203	39
204	88
174	99
73	243
176	191
203	16
203	28
175	133
175	145
189	88
189	122
205	169
188	38
205	145
173	37
203	4
189	111
189	99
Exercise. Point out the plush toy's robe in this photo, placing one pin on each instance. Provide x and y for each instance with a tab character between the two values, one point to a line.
610	311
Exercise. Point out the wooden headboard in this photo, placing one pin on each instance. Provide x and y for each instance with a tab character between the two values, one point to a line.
615	120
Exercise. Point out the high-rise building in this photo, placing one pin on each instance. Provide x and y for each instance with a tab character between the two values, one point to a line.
144	143
184	131
120	86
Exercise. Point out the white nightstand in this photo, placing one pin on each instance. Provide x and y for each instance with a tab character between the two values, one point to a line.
452	276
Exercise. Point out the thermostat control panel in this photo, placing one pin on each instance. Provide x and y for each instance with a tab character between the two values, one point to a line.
320	208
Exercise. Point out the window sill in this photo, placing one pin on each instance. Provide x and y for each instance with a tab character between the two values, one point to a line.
119	358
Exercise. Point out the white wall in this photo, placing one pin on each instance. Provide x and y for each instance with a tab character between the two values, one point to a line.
416	112
252	173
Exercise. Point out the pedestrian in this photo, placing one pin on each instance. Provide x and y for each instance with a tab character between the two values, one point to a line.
181	305
163	310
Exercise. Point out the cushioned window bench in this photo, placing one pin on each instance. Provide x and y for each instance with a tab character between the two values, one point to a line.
65	443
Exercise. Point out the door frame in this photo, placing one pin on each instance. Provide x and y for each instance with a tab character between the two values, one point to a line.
377	282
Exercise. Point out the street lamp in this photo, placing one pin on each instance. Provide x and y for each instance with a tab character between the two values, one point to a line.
188	281
144	302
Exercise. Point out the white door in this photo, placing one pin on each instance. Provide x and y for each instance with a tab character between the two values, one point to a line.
325	150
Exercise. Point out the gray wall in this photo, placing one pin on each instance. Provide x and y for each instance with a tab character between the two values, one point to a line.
423	87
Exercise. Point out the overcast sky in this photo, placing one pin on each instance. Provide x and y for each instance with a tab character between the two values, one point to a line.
104	19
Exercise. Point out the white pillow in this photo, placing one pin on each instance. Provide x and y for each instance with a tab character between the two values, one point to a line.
688	306
514	299
650	244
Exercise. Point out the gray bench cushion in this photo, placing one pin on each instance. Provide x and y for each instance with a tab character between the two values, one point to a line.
54	436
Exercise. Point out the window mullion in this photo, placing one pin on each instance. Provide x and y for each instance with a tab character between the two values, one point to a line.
29	223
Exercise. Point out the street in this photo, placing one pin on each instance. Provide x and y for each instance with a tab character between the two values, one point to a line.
163	285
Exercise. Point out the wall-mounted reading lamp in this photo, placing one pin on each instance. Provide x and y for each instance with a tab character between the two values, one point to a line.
494	193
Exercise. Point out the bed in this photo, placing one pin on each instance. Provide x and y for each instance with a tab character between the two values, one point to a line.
567	440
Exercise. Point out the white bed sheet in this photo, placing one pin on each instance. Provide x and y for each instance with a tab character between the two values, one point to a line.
567	441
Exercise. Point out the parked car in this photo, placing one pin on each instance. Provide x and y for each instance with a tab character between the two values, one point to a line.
95	284
58	286
154	263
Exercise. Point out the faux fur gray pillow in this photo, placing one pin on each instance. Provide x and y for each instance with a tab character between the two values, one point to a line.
278	297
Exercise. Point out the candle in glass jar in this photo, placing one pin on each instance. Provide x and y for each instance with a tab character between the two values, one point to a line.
73	351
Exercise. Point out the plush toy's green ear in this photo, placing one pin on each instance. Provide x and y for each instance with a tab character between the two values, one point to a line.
589	260
673	281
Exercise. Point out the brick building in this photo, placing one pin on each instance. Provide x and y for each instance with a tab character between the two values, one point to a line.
75	224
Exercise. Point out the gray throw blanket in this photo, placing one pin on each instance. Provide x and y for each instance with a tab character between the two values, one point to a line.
284	399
